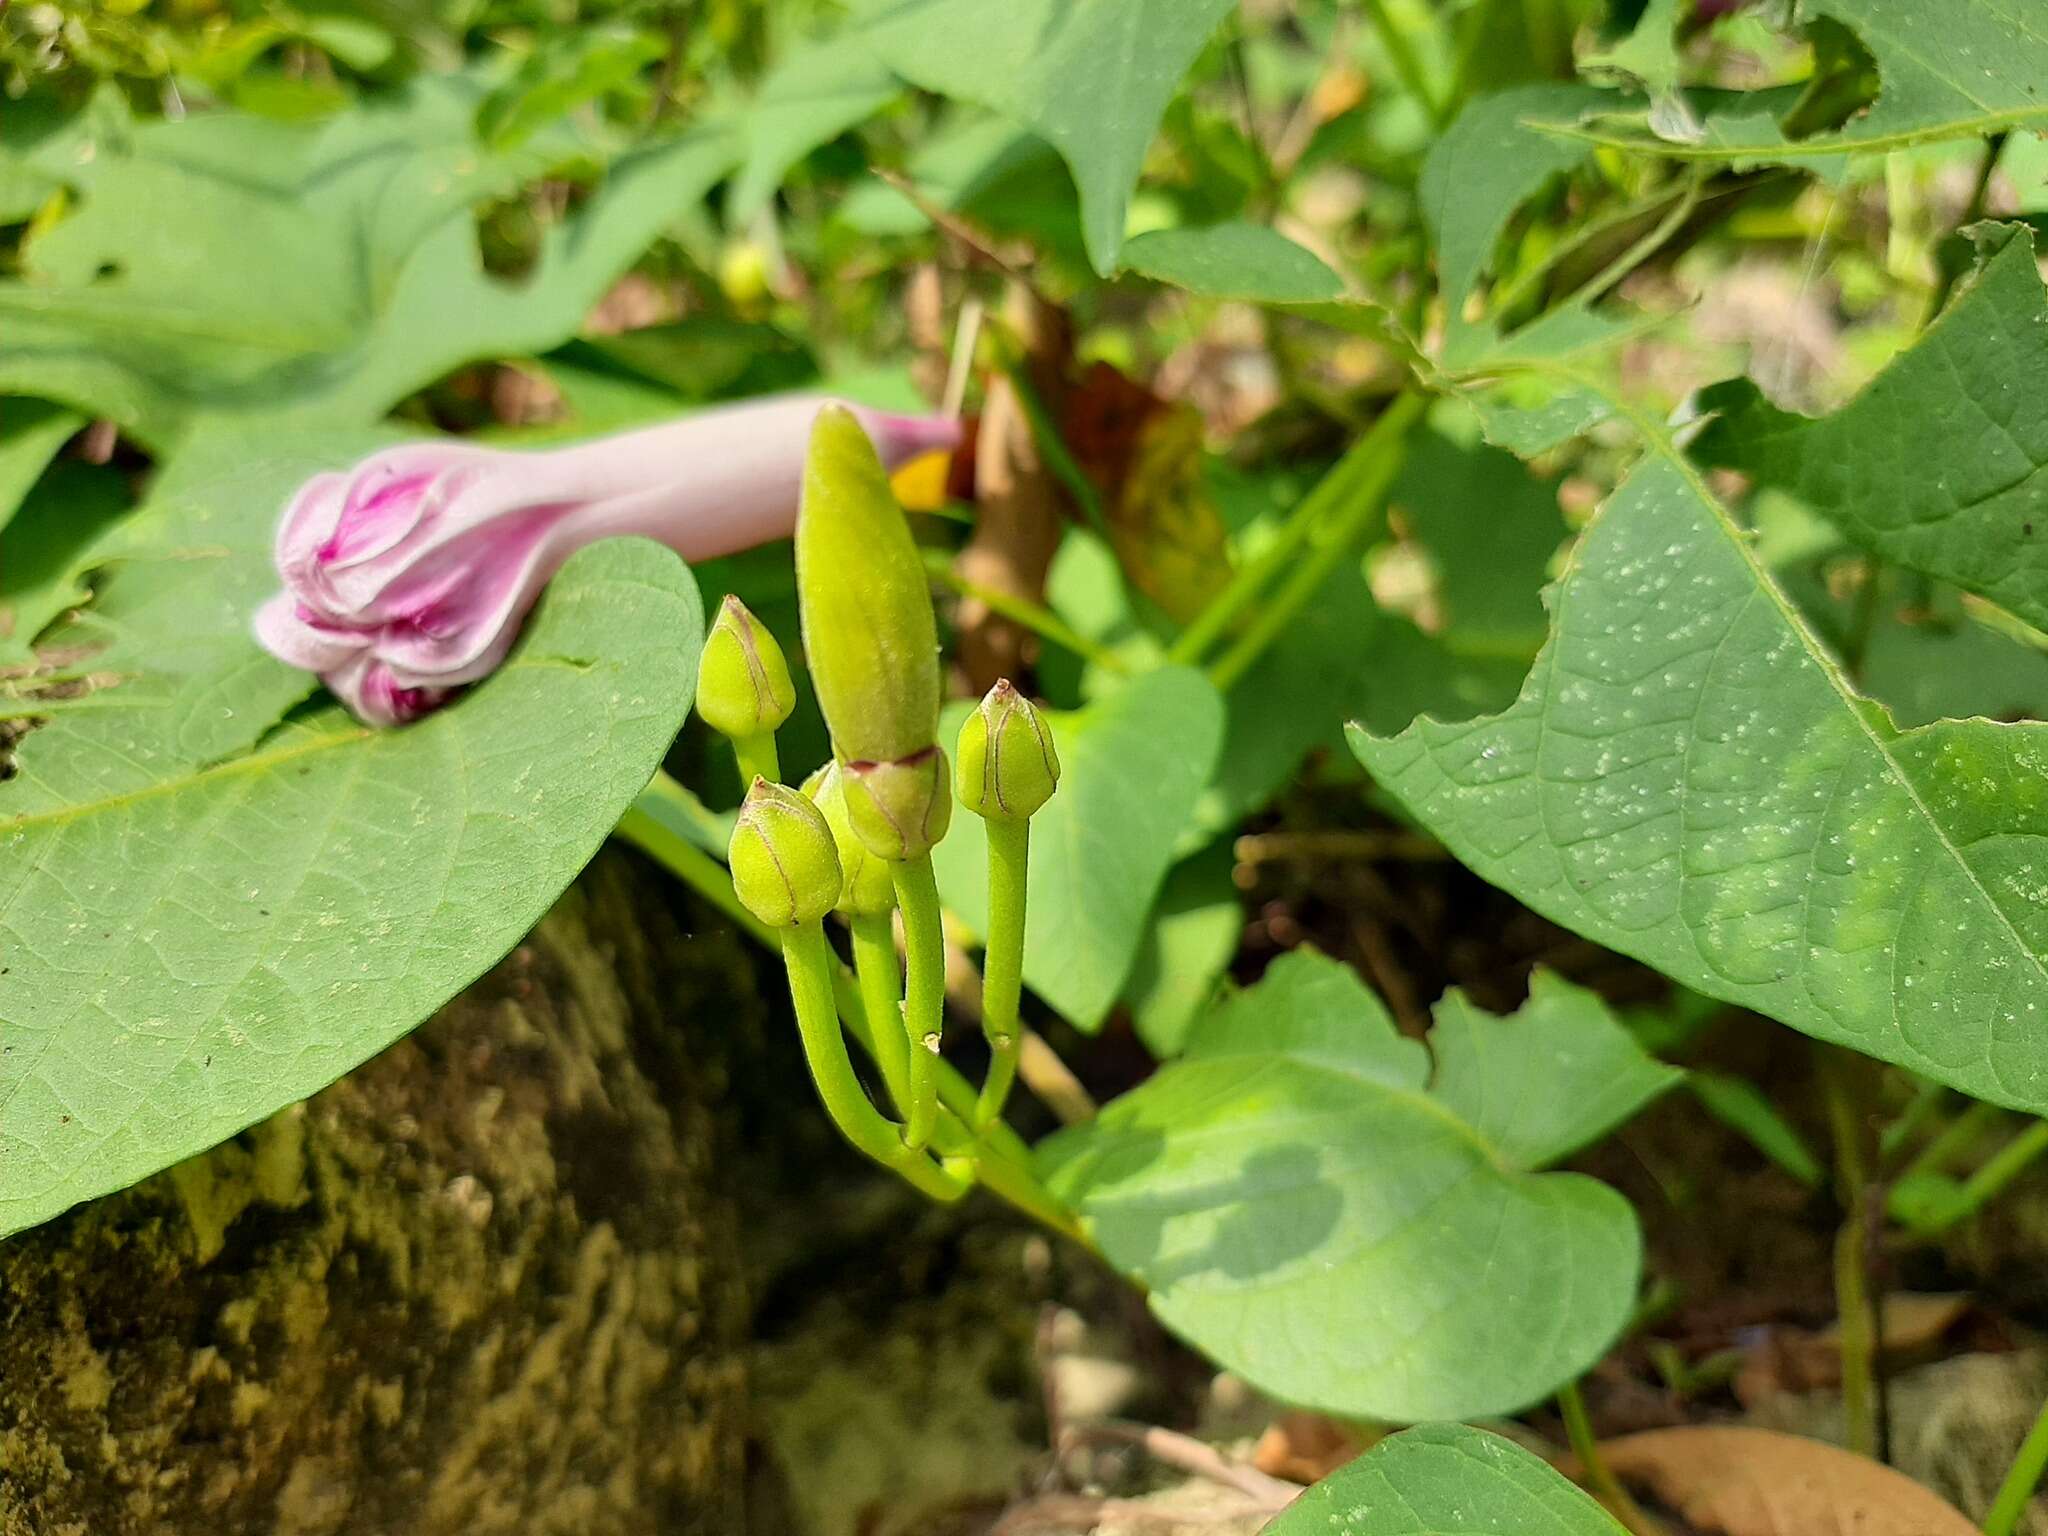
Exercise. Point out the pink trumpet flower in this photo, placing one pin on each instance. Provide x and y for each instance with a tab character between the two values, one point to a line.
410	574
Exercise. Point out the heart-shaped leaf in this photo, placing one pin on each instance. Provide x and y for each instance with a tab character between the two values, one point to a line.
1687	777
1133	767
1444	1480
1304	1206
206	915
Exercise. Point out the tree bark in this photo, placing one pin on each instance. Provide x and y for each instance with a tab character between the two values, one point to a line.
486	1284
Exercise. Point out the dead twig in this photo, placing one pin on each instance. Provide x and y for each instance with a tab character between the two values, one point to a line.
1196	1457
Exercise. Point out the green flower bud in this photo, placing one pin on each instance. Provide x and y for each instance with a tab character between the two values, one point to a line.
743	686
1008	767
785	867
870	638
870	889
899	809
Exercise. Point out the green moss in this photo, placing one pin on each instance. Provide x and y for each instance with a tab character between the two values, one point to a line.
482	1285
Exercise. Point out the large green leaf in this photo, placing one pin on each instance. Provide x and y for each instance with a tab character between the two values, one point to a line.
1194	934
1957	69
1132	767
207	915
1092	77
234	266
1688	778
1941	464
1444	1480
1301	1204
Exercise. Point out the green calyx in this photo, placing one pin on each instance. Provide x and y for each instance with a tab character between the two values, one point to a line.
1008	766
870	638
743	683
869	889
899	810
785	865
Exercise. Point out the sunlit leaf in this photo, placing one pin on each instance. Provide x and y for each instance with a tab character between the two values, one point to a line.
1444	1480
1304	1205
318	272
207	914
1688	778
1961	69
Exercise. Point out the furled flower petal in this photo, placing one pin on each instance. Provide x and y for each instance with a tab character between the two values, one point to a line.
409	575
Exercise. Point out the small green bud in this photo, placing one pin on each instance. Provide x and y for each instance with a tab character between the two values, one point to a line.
743	686
785	867
870	638
870	889
1008	767
899	809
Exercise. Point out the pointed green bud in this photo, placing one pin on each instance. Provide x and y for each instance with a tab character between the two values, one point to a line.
1008	767
743	686
785	866
870	890
870	639
898	810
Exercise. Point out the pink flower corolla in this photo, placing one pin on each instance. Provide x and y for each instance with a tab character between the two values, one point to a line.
409	575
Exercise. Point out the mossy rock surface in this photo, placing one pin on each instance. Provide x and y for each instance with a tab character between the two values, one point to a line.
487	1284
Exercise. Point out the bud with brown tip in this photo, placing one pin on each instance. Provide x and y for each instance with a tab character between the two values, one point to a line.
743	682
900	809
1008	766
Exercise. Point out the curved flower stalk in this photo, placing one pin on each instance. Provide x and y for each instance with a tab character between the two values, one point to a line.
409	575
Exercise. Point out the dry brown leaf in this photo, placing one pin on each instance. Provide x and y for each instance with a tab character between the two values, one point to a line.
1017	521
1727	1481
1144	454
1801	1360
1305	1447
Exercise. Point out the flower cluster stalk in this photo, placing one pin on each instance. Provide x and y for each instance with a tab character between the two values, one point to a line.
857	839
924	998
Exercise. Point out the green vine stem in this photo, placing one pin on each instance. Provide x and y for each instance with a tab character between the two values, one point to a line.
808	958
924	1001
1334	542
2021	1479
757	758
708	878
881	998
1002	966
1335	490
1578	1428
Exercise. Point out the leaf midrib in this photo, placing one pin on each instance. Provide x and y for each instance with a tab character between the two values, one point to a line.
252	763
1660	441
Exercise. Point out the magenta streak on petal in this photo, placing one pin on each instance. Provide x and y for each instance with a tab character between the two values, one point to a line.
375	522
410	576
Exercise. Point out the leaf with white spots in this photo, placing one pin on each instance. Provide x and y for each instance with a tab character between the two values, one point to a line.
1688	778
